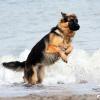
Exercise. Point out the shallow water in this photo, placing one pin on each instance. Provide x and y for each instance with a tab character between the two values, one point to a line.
24	22
19	90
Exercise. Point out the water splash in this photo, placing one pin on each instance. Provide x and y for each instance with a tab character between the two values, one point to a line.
81	67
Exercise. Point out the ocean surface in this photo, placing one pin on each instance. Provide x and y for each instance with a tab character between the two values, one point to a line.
24	22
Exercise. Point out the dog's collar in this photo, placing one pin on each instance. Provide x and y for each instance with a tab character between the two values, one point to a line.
59	32
59	29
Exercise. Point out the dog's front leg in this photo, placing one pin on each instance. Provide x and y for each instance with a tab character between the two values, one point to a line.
57	49
63	55
65	51
69	49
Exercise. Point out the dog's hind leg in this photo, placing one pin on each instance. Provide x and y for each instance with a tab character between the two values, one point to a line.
40	73
30	75
34	77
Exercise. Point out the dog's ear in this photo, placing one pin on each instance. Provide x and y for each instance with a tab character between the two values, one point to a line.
63	15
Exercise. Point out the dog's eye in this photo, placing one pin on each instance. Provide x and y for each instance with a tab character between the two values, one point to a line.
71	20
74	20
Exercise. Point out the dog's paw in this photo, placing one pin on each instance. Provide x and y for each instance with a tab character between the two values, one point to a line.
65	60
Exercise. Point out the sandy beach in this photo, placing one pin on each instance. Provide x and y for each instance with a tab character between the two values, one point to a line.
54	97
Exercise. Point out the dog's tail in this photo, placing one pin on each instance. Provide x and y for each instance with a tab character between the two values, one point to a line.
15	66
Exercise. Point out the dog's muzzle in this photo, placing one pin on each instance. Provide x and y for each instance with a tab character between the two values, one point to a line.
74	26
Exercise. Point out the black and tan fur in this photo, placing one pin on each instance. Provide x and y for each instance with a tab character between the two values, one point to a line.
55	45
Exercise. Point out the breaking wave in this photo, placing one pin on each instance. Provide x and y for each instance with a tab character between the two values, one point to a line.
81	67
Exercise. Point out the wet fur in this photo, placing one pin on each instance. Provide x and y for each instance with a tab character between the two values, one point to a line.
47	51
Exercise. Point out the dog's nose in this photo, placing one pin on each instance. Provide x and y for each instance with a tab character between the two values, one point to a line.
77	26
74	26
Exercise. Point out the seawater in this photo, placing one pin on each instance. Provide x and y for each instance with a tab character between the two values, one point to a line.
80	67
24	22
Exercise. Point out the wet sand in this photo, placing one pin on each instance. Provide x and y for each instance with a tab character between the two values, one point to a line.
54	97
59	92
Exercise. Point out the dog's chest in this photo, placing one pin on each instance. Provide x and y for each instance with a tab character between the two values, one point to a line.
50	58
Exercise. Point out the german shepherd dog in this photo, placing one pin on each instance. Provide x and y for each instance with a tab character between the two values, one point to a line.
55	45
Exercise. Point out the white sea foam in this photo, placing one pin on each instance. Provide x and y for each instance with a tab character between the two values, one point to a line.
81	67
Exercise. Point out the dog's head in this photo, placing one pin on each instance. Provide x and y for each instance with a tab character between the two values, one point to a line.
71	21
